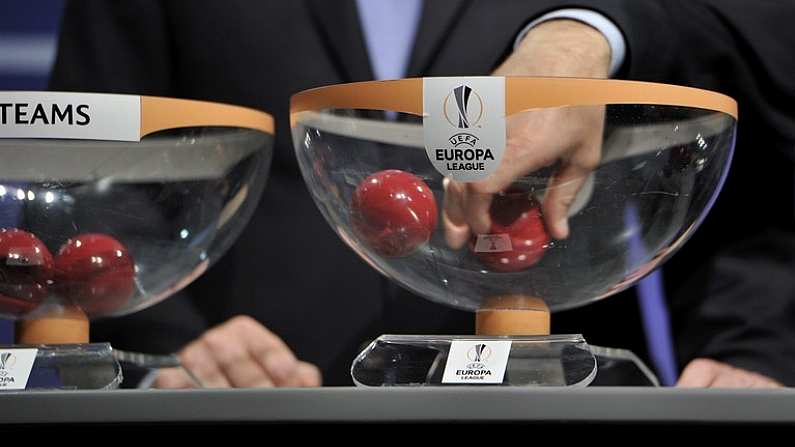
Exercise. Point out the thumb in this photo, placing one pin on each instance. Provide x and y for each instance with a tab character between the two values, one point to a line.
700	373
561	193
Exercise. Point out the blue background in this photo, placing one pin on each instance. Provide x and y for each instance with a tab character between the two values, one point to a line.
28	36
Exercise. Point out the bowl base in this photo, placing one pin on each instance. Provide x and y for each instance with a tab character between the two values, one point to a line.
89	366
524	361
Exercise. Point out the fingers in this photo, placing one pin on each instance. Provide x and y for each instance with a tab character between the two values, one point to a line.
561	193
466	210
308	375
731	377
173	378
724	379
199	358
761	381
706	373
267	350
700	373
477	206
239	353
536	139
568	181
456	229
279	365
305	375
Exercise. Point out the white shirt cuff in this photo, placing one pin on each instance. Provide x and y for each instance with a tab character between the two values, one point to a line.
618	46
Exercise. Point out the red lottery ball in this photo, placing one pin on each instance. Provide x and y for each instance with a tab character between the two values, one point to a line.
394	212
26	266
96	272
517	238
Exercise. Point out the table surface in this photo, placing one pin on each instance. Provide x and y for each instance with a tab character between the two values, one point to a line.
401	404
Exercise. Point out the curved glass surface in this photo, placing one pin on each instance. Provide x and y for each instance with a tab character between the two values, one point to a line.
406	360
114	227
640	178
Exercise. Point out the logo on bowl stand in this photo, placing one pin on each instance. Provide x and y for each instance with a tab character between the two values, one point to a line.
476	361
474	148
478	354
7	362
15	366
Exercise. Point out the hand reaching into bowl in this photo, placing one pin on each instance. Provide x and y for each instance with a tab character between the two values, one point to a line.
569	137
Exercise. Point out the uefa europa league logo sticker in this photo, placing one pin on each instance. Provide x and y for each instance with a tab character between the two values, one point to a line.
476	361
15	367
7	361
464	125
459	99
478	355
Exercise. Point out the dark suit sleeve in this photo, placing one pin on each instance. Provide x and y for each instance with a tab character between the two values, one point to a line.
748	318
114	46
740	306
743	49
124	47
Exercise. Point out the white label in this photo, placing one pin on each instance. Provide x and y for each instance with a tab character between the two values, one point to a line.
464	125
477	362
493	243
84	116
15	367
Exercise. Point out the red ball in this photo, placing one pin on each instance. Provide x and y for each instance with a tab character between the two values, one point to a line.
96	272
26	266
394	212
517	238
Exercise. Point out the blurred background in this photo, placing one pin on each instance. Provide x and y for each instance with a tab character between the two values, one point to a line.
28	37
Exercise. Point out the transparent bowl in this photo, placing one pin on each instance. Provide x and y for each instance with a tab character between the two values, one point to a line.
112	227
657	158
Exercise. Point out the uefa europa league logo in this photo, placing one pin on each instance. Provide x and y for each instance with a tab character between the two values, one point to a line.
479	353
7	360
466	104
464	125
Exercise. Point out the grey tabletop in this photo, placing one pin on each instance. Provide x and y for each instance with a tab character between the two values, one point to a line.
414	404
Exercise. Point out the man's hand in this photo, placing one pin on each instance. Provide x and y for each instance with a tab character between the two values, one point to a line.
706	373
536	139
239	353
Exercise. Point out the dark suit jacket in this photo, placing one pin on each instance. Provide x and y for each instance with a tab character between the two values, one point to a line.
731	288
293	274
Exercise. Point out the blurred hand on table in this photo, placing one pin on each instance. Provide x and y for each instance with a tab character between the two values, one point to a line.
239	353
707	373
